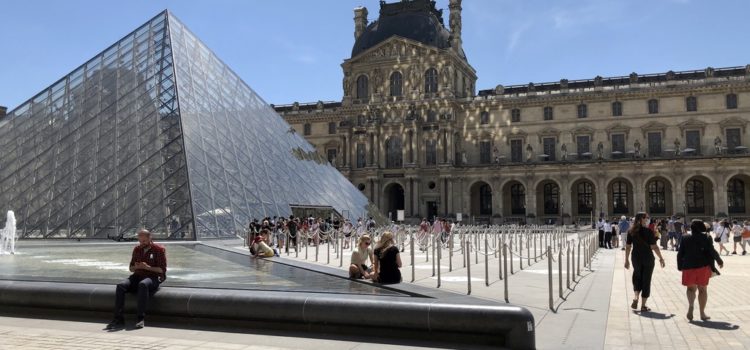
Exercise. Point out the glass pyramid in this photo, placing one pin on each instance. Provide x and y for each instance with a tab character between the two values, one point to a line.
157	132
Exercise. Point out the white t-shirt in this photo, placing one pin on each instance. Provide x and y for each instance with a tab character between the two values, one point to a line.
607	227
360	257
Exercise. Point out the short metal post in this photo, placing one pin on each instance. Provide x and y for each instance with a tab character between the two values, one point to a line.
317	246
434	254
578	264
520	256
528	250
328	249
450	254
573	263
510	259
439	254
535	250
559	272
486	264
411	247
307	244
505	271
468	266
549	278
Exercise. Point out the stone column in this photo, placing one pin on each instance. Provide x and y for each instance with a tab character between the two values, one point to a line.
451	197
721	203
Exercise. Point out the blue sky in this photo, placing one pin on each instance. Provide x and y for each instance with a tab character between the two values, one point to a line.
291	50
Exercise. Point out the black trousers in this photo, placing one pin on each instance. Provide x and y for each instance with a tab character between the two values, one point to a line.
601	238
642	272
608	240
143	287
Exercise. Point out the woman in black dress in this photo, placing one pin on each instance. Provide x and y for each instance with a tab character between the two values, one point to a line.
642	242
388	261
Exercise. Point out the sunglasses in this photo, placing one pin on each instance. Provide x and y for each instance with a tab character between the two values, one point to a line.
366	243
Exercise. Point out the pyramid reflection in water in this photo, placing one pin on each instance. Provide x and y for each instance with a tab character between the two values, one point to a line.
157	132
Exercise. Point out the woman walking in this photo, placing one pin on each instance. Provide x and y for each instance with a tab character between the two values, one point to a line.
642	242
695	257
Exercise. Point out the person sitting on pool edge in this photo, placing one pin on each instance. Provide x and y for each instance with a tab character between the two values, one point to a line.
358	267
260	249
149	267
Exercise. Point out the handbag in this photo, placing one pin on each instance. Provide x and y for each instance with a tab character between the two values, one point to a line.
717	239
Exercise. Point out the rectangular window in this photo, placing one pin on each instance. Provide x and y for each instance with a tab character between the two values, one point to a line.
733	139
361	155
731	101
654	144
549	113
618	145
549	148
431	152
616	109
583	145
583	111
485	152
693	141
308	129
332	156
331	128
515	115
516	151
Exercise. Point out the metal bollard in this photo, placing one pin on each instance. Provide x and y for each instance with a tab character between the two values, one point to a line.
520	257
434	248
535	250
528	250
450	254
296	245
439	254
510	260
573	263
578	264
549	275
341	252
317	246
486	264
468	267
307	244
328	250
559	272
567	265
411	247
505	271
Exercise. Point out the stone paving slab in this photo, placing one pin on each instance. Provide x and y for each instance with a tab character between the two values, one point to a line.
667	327
30	333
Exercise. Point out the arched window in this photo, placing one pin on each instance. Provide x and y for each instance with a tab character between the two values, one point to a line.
362	88
736	196
657	197
731	101
485	200
585	198
620	197
691	104
583	111
551	198
653	106
396	84
393	154
484	117
694	197
517	199
431	81
616	109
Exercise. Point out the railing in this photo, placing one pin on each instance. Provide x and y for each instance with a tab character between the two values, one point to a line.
513	247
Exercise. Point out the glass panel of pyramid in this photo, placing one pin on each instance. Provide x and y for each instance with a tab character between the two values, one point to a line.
157	132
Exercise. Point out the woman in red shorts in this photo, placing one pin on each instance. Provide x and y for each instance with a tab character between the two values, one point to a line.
694	259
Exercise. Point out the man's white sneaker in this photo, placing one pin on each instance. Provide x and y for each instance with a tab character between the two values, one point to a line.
140	324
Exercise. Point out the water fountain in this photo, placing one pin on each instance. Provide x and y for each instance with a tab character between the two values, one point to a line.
8	235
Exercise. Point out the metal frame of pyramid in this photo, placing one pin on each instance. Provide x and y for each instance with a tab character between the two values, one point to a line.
157	132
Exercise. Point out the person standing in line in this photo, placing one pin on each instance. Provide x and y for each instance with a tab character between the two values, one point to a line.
148	264
695	258
722	235
642	242
671	234
607	235
615	239
600	228
737	237
624	226
679	231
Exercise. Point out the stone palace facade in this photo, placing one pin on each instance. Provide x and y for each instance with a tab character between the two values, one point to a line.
412	133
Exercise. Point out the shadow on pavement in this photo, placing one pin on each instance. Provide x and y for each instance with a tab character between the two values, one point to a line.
655	315
722	326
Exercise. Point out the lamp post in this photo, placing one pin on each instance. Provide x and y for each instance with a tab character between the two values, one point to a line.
562	210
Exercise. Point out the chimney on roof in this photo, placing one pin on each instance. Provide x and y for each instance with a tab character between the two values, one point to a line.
360	21
454	23
3	110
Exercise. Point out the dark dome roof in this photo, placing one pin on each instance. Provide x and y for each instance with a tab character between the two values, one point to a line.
417	20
